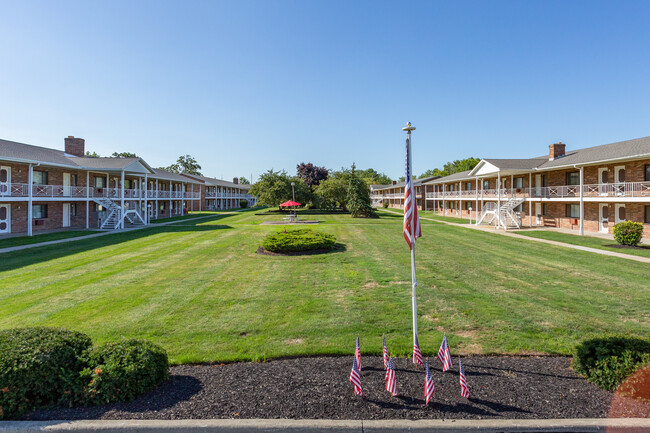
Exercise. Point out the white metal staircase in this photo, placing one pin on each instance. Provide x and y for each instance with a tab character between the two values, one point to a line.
134	217
503	216
113	219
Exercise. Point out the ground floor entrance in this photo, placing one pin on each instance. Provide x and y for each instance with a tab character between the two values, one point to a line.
5	218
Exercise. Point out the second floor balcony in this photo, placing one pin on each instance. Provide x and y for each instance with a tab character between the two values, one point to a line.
79	192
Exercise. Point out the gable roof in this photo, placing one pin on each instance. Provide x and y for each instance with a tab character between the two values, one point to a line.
217	182
160	173
416	182
629	149
461	175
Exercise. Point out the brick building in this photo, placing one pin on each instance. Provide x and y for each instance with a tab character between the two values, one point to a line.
217	194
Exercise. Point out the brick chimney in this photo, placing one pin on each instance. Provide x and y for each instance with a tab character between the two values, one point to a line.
556	150
235	180
75	146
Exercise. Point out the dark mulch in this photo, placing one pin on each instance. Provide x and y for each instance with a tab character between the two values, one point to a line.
502	387
337	248
629	247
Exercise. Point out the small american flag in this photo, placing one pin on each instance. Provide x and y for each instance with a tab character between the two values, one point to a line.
428	384
357	353
444	355
385	352
355	379
391	383
464	389
417	355
411	220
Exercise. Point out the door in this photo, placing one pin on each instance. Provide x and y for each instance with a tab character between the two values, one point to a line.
67	191
620	213
603	216
66	214
538	214
5	180
5	218
538	185
603	180
619	180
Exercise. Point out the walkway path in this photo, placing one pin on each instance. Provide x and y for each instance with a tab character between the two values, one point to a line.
110	232
489	229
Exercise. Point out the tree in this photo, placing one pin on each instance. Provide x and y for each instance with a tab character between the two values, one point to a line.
124	155
452	167
274	187
186	165
244	181
372	177
312	174
346	189
358	196
92	154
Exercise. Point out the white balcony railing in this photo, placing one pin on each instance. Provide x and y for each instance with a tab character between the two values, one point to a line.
60	191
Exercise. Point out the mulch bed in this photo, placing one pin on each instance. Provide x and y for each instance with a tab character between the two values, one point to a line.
265	252
501	387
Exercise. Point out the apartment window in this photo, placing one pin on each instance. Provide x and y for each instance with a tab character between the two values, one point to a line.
486	184
519	182
544	209
519	208
39	211
99	208
573	178
100	182
73	180
573	211
128	184
39	178
647	215
452	205
73	209
162	206
468	204
647	173
468	186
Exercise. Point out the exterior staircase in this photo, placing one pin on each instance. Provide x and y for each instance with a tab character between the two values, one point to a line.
503	216
113	211
134	217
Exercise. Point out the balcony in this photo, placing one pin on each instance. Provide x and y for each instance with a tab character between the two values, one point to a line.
60	191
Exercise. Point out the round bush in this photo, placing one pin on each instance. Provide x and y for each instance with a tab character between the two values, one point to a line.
121	371
298	240
628	233
385	204
39	367
608	361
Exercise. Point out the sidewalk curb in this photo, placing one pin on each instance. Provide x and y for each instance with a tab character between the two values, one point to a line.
626	425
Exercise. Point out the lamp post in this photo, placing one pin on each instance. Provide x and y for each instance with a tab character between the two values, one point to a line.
293	191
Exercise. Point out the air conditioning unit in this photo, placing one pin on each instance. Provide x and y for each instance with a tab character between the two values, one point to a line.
39	222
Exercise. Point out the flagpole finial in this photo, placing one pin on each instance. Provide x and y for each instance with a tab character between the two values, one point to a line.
408	128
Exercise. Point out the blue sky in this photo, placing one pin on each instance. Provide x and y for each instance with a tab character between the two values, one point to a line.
247	86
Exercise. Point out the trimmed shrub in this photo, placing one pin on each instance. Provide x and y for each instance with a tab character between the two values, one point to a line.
39	367
628	233
385	204
608	361
298	240
243	204
121	371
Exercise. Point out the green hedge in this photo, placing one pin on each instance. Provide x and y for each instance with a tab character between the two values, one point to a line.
608	361
628	233
121	371
39	367
298	240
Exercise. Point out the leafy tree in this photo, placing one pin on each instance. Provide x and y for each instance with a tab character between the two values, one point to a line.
244	181
92	154
358	196
372	177
431	173
311	174
124	155
274	187
452	167
185	164
346	189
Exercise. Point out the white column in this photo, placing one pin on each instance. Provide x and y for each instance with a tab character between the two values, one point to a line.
582	201
530	202
122	195
157	198
444	201
146	195
476	209
170	198
192	199
87	199
30	180
498	198
512	183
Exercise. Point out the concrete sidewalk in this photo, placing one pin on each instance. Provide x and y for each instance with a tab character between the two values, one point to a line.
622	425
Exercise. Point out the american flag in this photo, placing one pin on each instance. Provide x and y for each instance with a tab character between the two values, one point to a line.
357	354
355	378
417	355
411	219
464	389
391	384
385	352
444	355
428	384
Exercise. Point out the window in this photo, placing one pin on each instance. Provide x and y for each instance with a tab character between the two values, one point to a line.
39	178
573	178
452	205
39	211
486	184
99	208
128	184
162	206
73	209
73	180
468	204
100	182
647	173
519	182
519	208
544	209
573	211
451	187
468	186
647	214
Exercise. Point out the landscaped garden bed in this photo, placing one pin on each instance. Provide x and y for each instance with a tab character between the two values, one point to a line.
297	242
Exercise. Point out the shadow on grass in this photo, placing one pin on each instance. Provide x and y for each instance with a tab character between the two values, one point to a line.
338	248
30	256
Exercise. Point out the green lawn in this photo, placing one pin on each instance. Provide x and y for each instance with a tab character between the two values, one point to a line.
184	217
586	241
445	218
27	240
199	289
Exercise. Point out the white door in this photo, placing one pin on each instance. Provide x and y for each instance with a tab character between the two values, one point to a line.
66	185
5	180
66	214
620	213
5	218
603	180
619	180
538	185
603	216
538	214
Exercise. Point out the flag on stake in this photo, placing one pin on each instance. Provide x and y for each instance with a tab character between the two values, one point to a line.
412	227
357	353
385	351
391	384
428	384
417	355
355	379
444	355
464	389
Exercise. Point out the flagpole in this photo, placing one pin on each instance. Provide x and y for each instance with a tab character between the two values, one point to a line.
414	282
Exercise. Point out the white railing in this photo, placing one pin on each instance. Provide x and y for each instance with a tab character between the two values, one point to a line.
623	189
60	191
